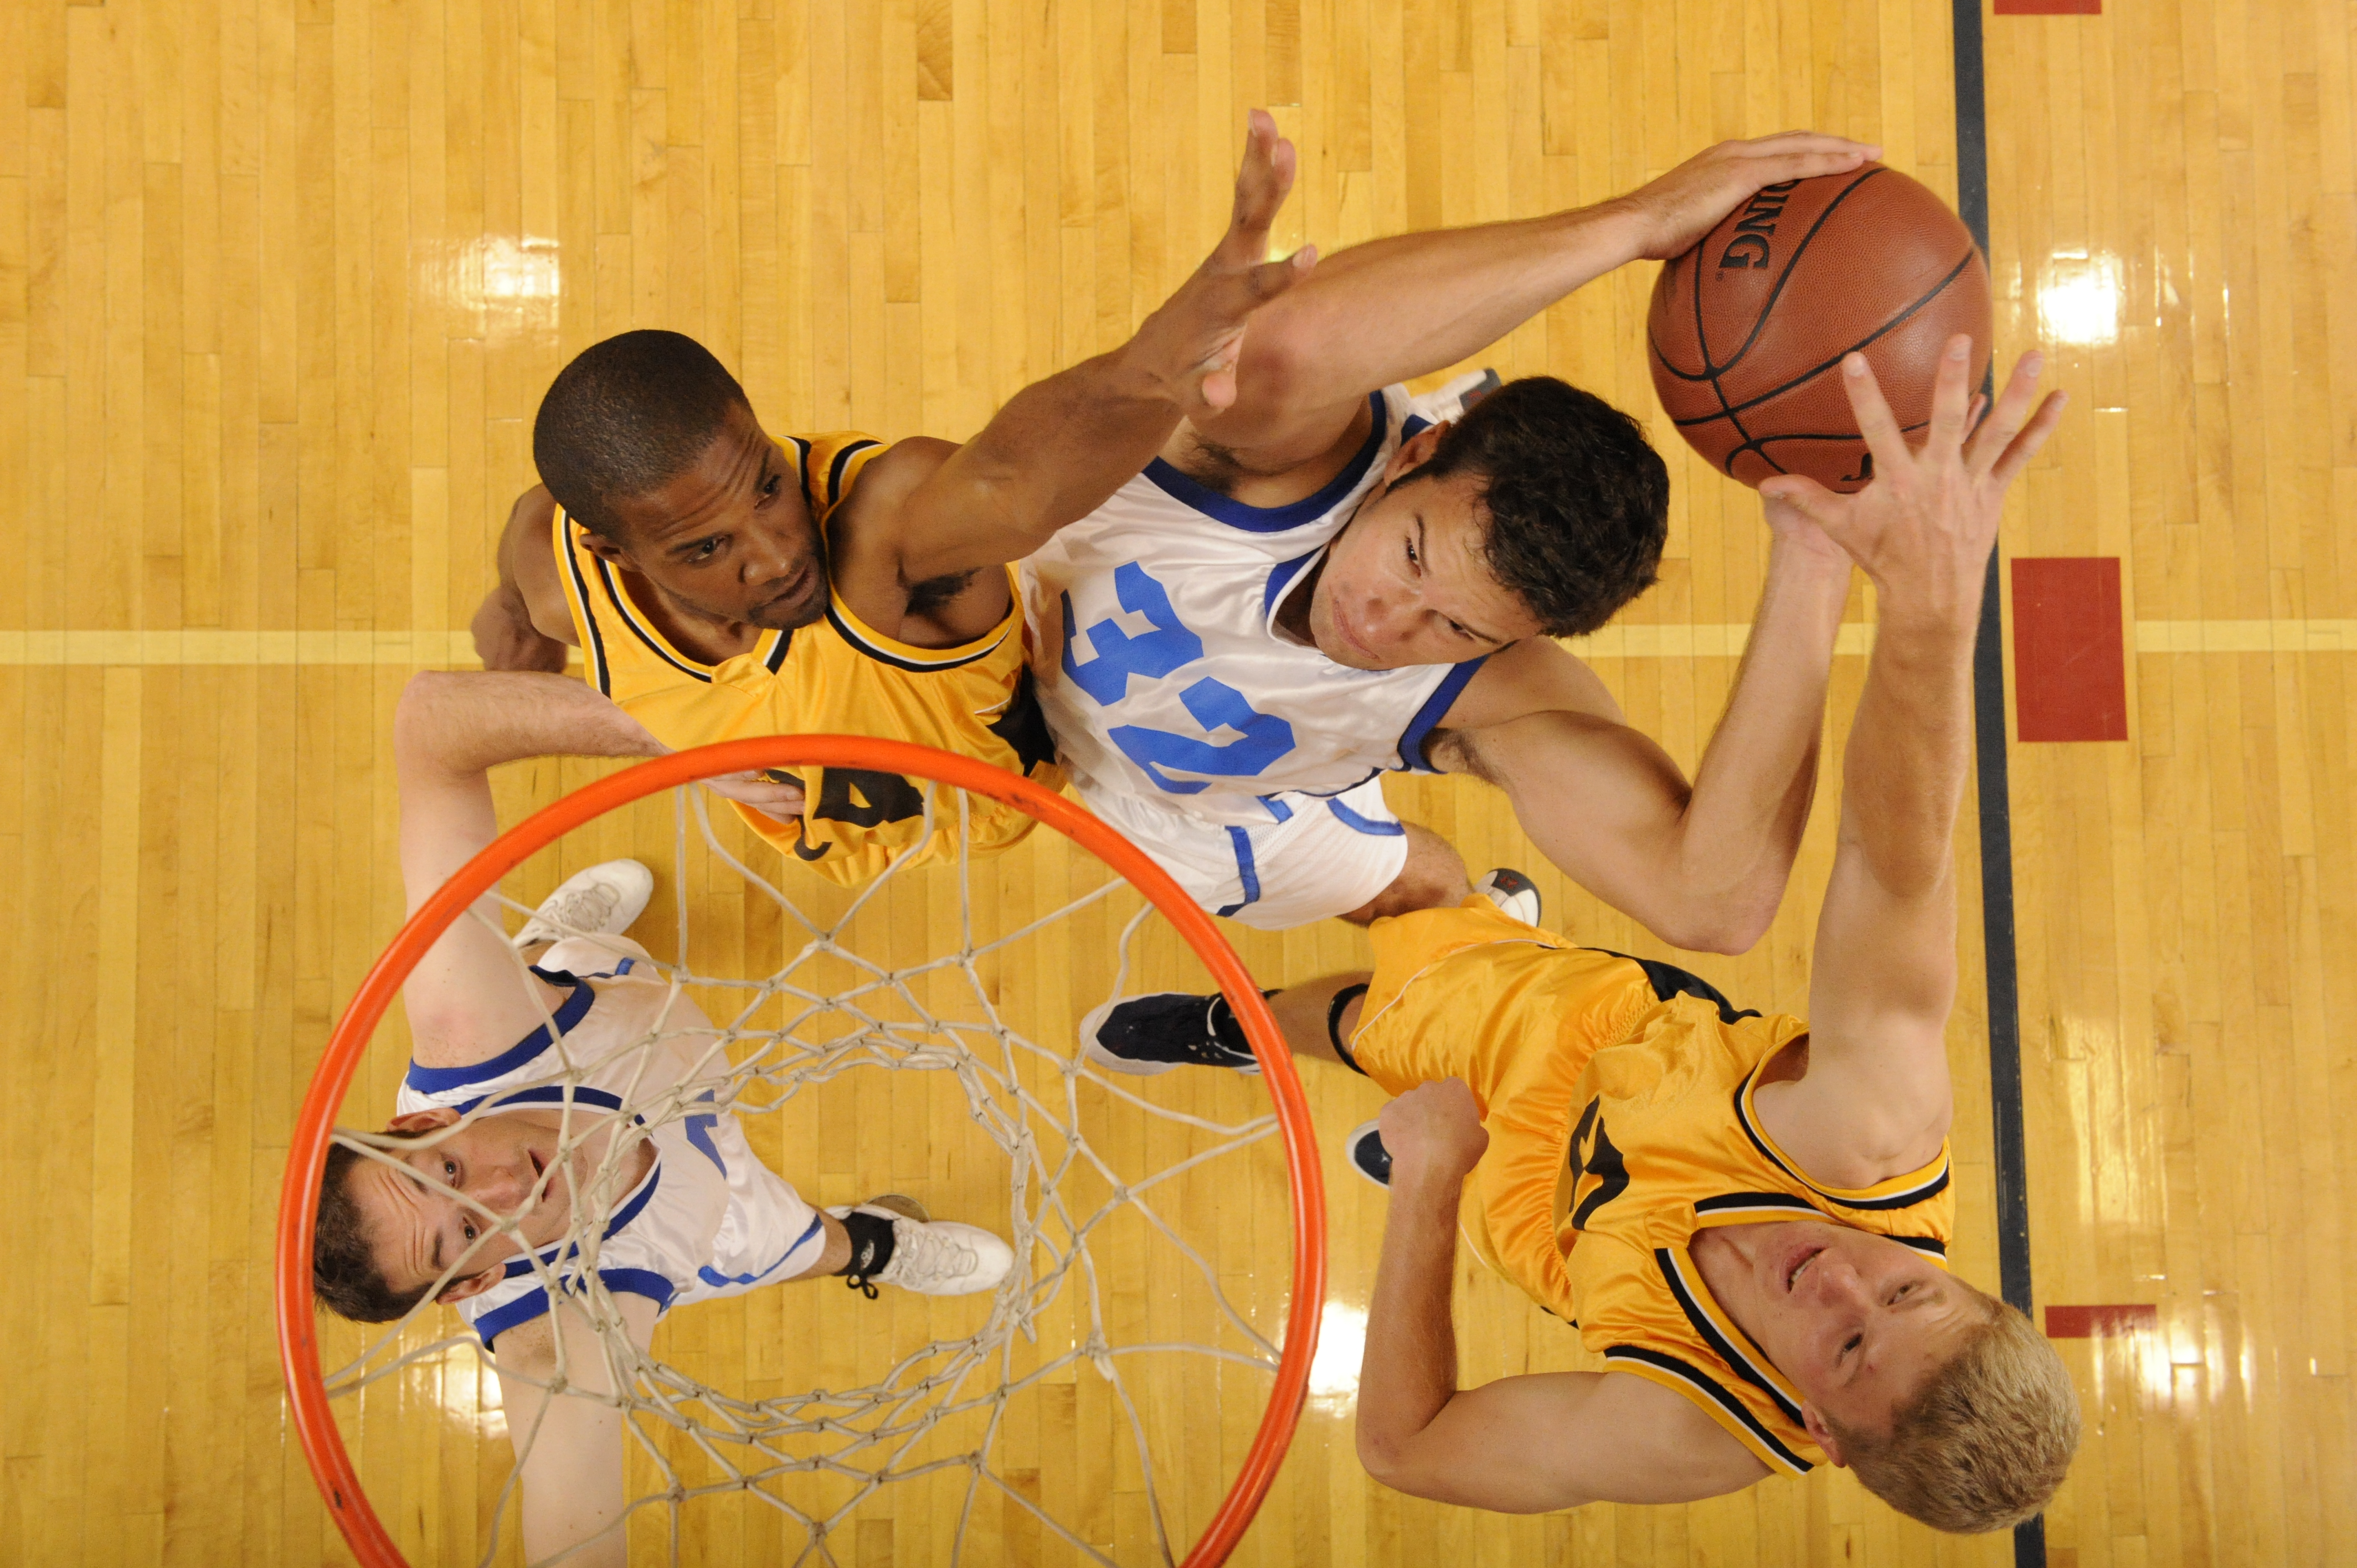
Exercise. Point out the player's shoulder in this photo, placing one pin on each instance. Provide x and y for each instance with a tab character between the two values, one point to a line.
892	471
1535	675
865	491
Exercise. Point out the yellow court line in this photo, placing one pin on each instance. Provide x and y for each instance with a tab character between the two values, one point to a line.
442	649
408	650
2245	636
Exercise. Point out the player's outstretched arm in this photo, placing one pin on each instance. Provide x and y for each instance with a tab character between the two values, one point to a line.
1701	866
1062	446
1876	1099
1519	1445
568	1448
1396	308
464	1001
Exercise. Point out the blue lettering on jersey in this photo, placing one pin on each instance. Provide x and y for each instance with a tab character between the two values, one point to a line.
1264	737
1119	655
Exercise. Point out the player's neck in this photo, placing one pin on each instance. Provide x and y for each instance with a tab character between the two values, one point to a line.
1293	610
1719	1257
708	639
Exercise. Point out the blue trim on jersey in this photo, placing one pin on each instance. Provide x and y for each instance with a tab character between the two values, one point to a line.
546	1094
1274	518
718	1280
1436	707
639	1281
1368	825
568	1013
1283	573
1276	807
1242	842
1415	424
500	1319
524	1308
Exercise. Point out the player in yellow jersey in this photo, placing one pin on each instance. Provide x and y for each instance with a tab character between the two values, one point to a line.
1747	1217
722	583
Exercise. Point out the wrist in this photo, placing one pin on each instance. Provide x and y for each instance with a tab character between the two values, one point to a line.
1426	1180
1615	232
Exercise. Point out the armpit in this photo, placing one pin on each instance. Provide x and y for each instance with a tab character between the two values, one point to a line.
1457	751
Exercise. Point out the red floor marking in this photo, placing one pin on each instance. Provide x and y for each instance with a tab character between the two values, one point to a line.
2069	676
2097	1322
2050	8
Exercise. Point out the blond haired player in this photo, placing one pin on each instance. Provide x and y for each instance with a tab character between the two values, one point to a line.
723	582
1747	1217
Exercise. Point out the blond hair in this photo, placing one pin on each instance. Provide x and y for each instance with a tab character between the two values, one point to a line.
1987	1438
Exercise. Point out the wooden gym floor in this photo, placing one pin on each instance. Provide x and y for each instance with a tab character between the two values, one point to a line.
281	281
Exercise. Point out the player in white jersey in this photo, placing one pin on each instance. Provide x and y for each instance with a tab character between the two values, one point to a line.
1329	580
494	1101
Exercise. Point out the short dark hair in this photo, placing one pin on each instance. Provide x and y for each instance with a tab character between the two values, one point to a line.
1579	501
344	1276
628	416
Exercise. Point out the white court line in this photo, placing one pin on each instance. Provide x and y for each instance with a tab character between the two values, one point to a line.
448	649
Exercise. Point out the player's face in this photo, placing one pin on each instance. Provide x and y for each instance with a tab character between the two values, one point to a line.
418	1232
1405	584
730	538
1854	1320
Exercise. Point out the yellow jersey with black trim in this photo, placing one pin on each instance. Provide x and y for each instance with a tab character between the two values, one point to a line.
835	676
1665	1143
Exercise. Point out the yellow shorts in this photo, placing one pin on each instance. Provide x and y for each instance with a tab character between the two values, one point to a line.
1515	1012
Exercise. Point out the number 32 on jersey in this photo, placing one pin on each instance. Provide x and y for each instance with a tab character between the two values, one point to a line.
1260	739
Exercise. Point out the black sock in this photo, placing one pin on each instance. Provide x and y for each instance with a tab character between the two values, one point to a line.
871	1249
1229	1029
1343	999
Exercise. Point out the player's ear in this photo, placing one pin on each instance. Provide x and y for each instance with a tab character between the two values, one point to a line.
413	1122
1822	1435
1414	452
473	1284
604	548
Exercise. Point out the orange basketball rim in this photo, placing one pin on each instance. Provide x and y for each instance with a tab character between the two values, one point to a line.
299	1344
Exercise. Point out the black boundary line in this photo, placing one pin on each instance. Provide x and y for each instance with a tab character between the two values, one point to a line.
1995	800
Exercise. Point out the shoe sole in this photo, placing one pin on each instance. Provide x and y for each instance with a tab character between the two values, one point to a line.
1351	1142
1528	890
1105	1058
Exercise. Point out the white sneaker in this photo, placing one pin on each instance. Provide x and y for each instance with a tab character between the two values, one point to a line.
599	902
933	1257
1515	895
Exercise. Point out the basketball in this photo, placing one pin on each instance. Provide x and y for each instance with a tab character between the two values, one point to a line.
1748	330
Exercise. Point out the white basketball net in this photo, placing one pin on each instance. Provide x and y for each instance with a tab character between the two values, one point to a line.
945	1413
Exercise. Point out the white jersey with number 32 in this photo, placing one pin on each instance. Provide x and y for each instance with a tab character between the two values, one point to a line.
1158	660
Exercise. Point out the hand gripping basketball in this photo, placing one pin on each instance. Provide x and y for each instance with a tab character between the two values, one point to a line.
1924	528
1678	210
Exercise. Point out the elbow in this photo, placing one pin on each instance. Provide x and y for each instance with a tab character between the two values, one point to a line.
418	699
1382	1459
1713	917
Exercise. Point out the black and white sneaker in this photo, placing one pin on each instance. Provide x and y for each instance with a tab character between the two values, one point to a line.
1365	1149
1516	894
1152	1034
894	1243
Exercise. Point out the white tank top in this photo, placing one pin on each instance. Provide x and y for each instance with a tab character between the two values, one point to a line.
709	1219
1158	660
